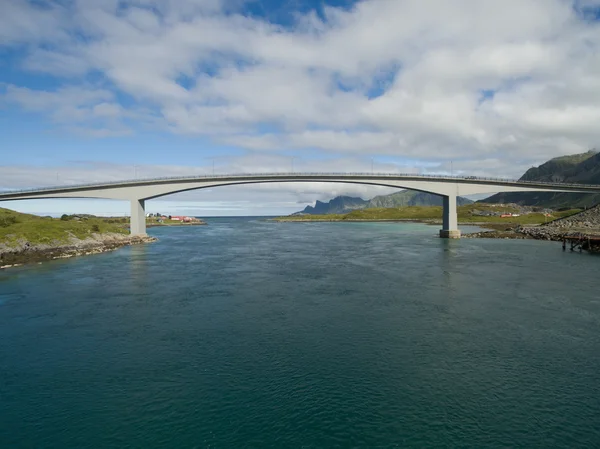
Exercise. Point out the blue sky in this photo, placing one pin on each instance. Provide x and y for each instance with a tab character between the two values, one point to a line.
107	90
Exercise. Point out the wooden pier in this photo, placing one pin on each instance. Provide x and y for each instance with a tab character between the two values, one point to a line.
582	242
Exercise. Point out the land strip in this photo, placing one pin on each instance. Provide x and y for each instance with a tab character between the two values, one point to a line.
25	252
477	214
503	221
26	238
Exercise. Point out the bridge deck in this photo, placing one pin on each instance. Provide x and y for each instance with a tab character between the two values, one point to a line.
303	177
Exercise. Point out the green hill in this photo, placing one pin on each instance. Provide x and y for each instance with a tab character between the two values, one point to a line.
581	168
17	227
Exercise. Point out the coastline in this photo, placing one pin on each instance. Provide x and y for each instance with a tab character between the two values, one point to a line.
26	253
583	239
354	220
26	242
428	221
496	230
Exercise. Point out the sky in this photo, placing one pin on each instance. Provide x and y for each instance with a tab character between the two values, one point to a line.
97	90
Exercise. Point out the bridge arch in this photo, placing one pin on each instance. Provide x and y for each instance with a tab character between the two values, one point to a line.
450	216
138	191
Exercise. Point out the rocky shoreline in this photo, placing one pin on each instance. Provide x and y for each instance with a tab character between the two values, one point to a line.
589	241
522	233
25	253
585	224
580	230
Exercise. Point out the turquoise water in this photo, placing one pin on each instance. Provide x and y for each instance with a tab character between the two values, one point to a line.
247	333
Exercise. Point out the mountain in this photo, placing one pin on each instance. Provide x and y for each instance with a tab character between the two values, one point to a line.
581	168
411	198
338	205
345	204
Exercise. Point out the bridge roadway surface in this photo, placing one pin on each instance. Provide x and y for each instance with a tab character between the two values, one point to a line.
449	187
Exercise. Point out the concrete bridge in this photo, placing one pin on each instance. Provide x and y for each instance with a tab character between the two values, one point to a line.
449	187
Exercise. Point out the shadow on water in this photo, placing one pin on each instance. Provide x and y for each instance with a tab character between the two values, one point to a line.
138	266
448	260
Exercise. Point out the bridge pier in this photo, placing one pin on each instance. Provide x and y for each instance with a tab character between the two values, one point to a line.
137	225
450	219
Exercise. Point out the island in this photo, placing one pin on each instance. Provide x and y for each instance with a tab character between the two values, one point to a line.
27	238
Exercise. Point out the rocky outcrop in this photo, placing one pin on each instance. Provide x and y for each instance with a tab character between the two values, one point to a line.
512	235
544	233
24	252
581	225
588	219
555	234
583	240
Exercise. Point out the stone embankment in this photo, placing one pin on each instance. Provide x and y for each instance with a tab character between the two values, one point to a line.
530	232
588	219
581	225
24	252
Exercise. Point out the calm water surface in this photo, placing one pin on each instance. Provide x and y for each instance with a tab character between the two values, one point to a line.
247	333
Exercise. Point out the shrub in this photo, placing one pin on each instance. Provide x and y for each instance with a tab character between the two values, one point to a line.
95	228
7	221
65	217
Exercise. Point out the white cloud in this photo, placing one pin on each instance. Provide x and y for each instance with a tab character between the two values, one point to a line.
22	24
36	100
194	69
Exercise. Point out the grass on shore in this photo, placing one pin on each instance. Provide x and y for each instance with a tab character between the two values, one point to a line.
434	214
16	226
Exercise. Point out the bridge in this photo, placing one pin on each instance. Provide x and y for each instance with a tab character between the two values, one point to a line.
449	187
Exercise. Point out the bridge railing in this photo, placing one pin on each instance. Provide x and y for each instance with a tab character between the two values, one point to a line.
293	175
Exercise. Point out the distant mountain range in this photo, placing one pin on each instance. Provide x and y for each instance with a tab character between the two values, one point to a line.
345	204
581	168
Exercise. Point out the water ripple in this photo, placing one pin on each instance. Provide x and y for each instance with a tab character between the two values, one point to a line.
247	333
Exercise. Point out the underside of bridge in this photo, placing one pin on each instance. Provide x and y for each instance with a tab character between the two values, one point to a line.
449	218
445	190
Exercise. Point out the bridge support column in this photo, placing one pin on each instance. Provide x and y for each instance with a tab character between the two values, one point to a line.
137	225
450	219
